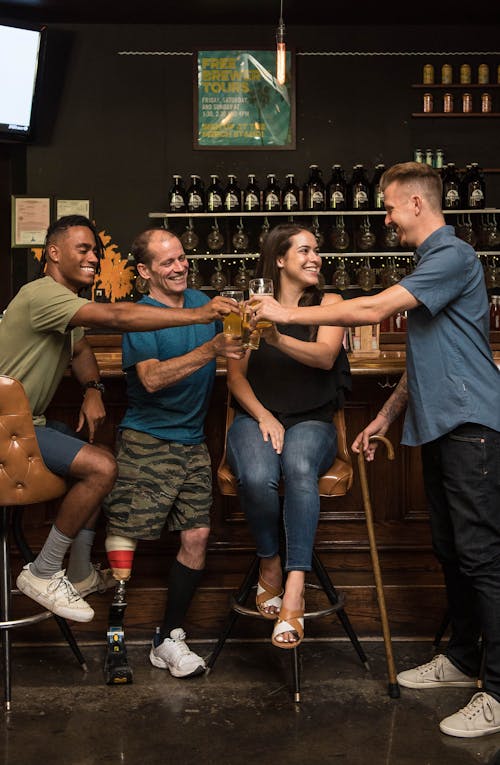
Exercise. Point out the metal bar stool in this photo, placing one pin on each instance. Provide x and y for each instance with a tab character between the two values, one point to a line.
24	480
335	482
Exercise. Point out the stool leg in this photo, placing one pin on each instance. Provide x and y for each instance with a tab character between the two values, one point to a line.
333	597
295	652
240	598
5	598
22	546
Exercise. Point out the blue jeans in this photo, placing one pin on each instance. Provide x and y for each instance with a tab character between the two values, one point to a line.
462	483
309	450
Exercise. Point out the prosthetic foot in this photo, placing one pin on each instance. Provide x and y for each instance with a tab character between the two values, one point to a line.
117	670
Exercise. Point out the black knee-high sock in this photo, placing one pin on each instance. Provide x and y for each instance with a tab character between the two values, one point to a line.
182	584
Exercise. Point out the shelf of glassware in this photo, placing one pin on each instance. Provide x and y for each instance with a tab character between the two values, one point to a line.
305	213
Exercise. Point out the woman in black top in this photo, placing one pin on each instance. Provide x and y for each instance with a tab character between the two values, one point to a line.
285	395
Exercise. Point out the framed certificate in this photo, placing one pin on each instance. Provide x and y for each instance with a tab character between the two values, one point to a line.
30	220
72	207
238	104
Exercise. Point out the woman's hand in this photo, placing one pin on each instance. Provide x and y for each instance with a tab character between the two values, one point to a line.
271	428
271	335
266	307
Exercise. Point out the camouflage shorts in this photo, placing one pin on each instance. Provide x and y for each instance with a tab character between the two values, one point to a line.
159	482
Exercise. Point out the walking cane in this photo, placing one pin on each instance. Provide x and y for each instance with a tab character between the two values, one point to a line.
393	686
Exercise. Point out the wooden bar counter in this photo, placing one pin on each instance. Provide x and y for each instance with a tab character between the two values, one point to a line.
412	577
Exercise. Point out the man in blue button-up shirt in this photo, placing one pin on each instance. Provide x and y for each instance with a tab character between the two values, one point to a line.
451	393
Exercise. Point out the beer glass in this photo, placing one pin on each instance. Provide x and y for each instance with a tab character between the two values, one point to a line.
260	287
232	322
250	336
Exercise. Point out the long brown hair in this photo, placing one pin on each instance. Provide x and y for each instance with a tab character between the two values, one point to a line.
275	246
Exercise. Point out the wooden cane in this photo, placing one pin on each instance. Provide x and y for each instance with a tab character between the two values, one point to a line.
393	686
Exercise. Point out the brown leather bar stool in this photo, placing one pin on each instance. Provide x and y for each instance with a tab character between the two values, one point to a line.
24	480
335	482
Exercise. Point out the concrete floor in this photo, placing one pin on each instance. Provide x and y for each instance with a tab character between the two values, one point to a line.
241	713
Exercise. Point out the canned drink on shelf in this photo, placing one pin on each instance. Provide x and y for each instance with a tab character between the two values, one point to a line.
483	74
485	102
428	74
446	74
428	102
466	102
465	74
447	103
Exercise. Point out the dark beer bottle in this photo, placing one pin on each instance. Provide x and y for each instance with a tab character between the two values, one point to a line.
451	188
315	190
377	193
194	195
272	194
476	189
214	195
360	189
251	196
232	195
291	195
177	196
336	190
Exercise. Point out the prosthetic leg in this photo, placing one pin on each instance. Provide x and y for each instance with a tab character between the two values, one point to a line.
120	550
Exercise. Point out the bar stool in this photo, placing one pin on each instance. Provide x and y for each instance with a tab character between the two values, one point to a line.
24	480
335	482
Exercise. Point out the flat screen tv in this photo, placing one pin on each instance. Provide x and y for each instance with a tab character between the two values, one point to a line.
22	52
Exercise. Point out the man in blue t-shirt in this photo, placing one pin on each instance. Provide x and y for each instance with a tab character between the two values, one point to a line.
164	470
451	393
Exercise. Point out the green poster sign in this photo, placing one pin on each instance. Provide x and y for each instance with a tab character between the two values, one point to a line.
239	103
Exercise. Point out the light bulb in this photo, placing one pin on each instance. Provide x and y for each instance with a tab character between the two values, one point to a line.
280	63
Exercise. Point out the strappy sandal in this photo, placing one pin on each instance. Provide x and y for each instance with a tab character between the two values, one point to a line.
267	597
288	621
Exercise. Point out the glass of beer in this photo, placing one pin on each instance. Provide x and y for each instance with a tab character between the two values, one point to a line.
260	287
250	336
232	322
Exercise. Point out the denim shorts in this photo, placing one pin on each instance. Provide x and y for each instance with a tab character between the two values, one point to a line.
59	446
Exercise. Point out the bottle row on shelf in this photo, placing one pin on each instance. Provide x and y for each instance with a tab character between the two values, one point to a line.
338	233
466	103
339	193
359	193
365	273
464	75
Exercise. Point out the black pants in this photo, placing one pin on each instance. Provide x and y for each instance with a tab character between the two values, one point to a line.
462	483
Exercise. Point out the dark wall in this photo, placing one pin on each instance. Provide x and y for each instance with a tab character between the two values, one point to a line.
117	127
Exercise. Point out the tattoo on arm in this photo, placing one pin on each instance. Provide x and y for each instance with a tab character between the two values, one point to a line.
396	403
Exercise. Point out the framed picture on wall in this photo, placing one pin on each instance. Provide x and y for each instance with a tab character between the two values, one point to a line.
238	103
30	220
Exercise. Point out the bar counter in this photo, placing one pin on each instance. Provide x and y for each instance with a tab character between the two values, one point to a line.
412	577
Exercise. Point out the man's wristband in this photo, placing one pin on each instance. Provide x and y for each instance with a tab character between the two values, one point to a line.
94	384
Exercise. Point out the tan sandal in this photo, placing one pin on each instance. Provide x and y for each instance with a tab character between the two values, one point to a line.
288	621
267	597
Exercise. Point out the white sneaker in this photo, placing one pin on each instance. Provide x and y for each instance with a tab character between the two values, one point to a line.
438	673
99	580
56	594
173	654
480	717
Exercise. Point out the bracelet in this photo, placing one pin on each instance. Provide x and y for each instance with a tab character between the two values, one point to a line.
94	384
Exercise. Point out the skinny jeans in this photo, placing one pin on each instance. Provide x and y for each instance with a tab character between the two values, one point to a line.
309	450
462	483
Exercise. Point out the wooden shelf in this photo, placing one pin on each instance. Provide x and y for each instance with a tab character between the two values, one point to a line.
455	114
460	86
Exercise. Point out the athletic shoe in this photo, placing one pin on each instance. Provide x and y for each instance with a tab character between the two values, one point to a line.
56	594
438	673
173	654
99	580
480	717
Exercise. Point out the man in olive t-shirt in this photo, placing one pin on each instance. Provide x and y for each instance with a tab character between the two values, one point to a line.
40	334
